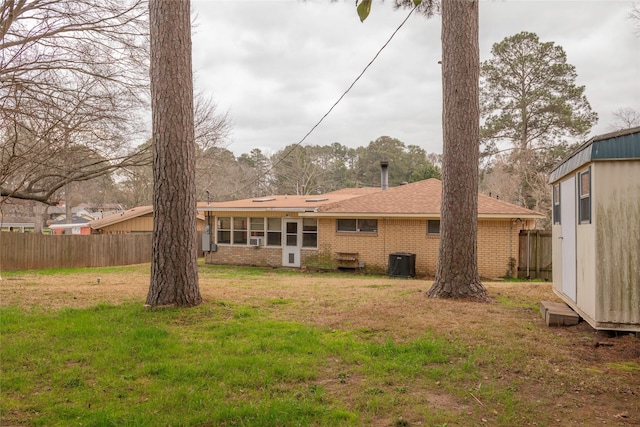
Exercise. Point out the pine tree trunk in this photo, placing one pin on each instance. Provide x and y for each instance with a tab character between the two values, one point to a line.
457	272
174	272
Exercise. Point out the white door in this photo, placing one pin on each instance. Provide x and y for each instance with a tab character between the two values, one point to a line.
292	242
568	222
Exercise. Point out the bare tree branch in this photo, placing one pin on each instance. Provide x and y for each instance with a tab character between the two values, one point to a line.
73	88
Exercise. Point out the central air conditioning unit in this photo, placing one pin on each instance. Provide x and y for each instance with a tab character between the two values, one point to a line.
255	241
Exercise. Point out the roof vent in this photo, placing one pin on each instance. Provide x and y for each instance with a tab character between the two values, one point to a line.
264	199
384	174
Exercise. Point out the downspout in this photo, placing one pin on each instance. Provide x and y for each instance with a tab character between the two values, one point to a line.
513	263
511	247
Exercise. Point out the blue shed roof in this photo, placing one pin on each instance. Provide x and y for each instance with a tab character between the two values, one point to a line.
623	144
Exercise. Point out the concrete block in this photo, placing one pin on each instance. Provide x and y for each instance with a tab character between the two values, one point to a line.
558	314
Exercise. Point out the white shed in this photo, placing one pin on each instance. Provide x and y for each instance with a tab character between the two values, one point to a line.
596	230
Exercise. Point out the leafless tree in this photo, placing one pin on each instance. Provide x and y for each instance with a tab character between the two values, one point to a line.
625	118
635	16
212	127
73	86
217	171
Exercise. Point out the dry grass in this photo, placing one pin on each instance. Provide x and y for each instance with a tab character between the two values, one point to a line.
561	372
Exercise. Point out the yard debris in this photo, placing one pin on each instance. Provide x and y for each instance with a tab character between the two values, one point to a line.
478	400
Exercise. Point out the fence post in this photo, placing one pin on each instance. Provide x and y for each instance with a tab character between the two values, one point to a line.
538	254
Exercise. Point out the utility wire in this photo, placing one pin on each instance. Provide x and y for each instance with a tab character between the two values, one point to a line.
299	143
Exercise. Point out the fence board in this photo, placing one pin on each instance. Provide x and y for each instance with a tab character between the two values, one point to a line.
535	260
24	251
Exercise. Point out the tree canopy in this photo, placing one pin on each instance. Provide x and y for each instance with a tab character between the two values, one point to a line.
532	111
529	94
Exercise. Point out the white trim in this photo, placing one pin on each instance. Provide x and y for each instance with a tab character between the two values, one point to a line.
259	209
413	216
81	225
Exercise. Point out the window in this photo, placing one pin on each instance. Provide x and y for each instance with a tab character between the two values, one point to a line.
256	227
433	226
347	225
274	232
256	231
584	192
224	229
309	233
357	225
368	225
556	204
239	231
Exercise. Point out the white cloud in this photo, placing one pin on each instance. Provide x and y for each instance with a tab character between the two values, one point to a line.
278	66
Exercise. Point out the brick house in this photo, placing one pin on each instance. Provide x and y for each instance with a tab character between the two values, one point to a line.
357	228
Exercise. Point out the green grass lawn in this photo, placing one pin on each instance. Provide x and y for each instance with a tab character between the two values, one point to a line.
209	365
274	348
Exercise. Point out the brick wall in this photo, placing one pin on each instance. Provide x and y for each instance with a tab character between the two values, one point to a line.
261	256
248	255
497	243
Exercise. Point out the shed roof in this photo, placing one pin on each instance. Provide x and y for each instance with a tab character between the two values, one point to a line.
124	216
121	216
620	145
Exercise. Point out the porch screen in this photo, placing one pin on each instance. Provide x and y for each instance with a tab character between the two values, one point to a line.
274	232
224	230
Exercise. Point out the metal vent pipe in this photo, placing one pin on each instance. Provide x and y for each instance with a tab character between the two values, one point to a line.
384	174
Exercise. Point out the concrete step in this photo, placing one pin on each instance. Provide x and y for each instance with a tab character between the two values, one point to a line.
558	314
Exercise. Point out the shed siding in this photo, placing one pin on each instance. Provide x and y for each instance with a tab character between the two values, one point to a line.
617	209
140	224
586	268
556	256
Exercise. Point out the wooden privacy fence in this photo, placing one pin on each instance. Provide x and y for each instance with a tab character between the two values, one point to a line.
25	251
535	261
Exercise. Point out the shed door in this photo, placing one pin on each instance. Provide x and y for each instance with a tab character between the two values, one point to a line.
568	224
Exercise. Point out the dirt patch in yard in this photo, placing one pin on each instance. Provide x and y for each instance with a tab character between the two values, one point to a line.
571	375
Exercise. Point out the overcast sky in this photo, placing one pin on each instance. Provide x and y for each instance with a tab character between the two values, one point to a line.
278	66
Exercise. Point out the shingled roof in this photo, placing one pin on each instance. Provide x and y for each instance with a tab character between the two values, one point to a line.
288	202
418	199
121	216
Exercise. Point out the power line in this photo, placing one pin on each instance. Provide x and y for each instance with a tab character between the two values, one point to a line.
313	128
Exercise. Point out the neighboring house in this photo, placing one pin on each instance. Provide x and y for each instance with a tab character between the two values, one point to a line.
17	225
361	228
596	230
78	225
135	220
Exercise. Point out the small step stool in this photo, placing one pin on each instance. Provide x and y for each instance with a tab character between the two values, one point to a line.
558	314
